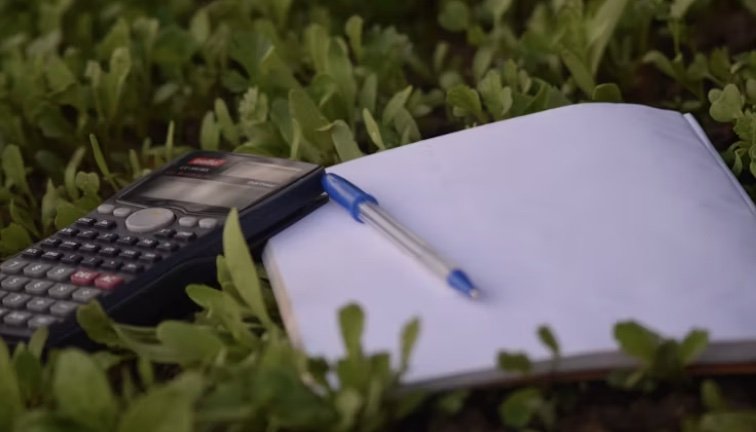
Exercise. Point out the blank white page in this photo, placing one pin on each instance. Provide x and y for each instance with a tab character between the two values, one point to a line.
576	218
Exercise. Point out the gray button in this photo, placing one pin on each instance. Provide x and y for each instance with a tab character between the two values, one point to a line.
105	209
188	221
122	212
208	223
149	219
63	308
39	304
3	311
16	318
42	321
61	291
14	283
38	287
36	270
13	266
60	273
3	276
84	295
15	300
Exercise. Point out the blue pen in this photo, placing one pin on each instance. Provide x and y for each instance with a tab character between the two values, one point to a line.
364	209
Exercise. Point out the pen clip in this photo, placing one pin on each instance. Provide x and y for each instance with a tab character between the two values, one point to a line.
346	194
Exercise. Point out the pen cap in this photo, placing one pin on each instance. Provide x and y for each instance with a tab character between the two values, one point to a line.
346	194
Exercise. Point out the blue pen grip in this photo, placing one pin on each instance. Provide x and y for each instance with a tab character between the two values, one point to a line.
346	194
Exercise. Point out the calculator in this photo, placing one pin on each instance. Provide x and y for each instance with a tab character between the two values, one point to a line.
136	252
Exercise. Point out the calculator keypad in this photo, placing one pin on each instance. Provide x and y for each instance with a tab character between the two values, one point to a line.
47	282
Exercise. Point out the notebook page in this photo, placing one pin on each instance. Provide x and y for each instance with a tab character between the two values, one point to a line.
576	218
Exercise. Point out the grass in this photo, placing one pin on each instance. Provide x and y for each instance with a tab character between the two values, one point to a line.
95	94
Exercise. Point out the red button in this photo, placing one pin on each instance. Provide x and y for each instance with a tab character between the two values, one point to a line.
108	281
84	277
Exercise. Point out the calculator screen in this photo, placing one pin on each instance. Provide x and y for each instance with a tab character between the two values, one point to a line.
205	192
216	183
256	171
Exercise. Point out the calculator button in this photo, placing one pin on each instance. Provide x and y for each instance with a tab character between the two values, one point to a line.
39	304
208	223
42	321
63	308
105	209
105	224
83	295
91	262
111	264
88	234
69	245
69	232
109	251
127	240
60	273
165	233
52	256
89	248
167	246
108	237
3	311
61	291
108	281
132	268
3	276
13	266
85	221
150	257
84	277
36	270
147	243
130	254
72	259
15	300
185	236
38	287
32	253
16	318
187	221
14	283
122	212
50	242
3	293
149	219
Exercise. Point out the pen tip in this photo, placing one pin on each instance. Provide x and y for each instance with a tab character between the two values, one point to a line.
459	281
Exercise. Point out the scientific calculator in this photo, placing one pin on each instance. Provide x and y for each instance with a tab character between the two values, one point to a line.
137	251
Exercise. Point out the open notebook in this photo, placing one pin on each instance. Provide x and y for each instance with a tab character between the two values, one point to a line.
577	218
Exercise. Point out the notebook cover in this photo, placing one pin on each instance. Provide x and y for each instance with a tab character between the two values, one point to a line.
575	218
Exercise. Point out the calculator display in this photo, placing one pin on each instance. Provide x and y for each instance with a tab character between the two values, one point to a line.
206	192
269	172
215	184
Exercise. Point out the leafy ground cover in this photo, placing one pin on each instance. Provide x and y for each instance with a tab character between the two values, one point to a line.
94	94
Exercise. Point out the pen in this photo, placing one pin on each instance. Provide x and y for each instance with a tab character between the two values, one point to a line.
364	208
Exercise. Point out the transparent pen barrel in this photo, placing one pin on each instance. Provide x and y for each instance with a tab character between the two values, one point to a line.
374	216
